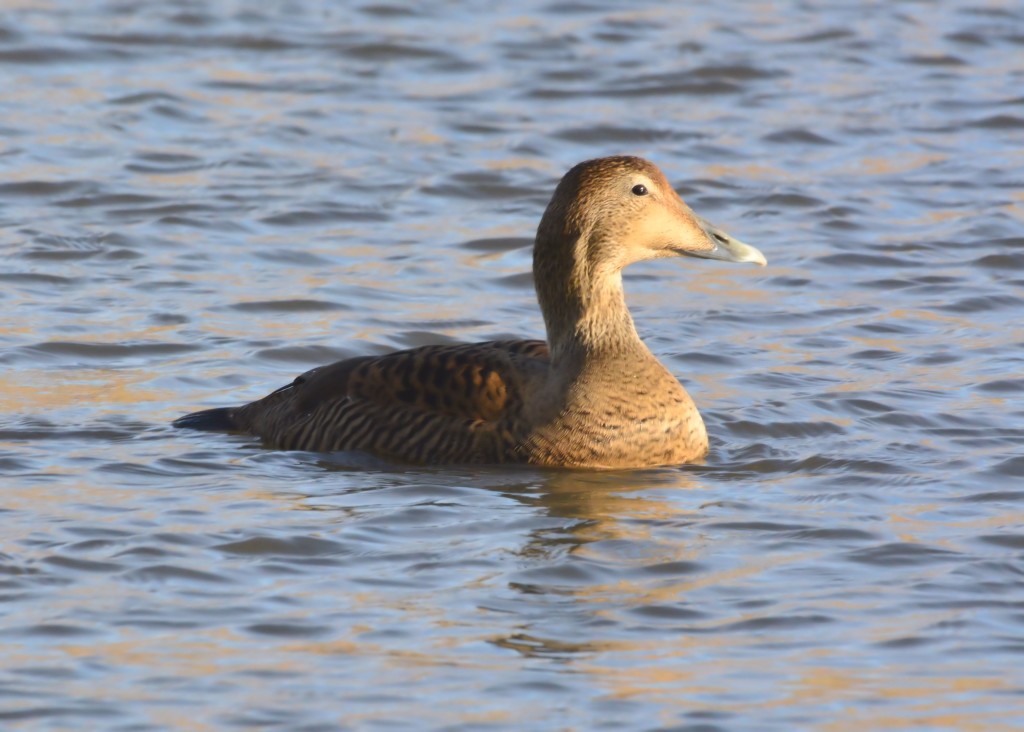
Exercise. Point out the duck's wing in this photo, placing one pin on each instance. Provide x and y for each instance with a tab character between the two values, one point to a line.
473	381
427	404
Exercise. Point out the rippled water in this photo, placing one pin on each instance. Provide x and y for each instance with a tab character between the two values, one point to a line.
200	200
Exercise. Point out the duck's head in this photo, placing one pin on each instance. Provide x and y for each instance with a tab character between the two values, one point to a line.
610	212
604	215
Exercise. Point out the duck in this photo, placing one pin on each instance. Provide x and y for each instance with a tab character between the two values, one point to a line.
591	395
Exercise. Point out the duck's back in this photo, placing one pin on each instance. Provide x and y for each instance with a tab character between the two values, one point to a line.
434	404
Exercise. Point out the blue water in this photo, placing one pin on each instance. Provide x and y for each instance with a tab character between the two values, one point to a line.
200	201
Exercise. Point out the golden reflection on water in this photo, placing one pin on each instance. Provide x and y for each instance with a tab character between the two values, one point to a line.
900	162
675	671
747	172
606	500
561	595
39	392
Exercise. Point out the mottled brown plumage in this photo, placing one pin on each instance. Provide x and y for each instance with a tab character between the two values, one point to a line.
592	396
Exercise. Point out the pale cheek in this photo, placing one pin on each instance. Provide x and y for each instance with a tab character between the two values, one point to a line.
660	241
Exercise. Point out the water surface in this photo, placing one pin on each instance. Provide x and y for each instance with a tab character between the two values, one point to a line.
199	201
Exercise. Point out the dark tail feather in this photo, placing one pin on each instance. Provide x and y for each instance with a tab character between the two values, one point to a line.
211	420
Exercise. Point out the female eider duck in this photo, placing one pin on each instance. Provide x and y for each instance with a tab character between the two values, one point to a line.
591	396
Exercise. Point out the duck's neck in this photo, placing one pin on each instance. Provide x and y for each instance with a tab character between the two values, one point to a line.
583	304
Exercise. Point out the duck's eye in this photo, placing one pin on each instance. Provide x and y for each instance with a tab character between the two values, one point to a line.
639	190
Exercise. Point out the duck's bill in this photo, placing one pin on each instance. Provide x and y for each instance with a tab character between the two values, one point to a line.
725	247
